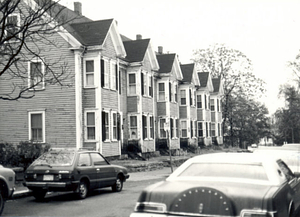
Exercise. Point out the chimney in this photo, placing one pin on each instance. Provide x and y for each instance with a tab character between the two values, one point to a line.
138	37
160	49
77	8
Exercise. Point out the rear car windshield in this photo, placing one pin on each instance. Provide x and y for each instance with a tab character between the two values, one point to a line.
245	171
56	158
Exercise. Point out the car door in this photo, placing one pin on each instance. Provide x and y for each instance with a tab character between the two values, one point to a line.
86	168
293	181
105	172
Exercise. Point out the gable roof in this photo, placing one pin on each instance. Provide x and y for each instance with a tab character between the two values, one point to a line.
165	62
203	77
187	72
91	33
136	49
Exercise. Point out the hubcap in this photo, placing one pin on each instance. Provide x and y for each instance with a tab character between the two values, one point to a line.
118	183
82	189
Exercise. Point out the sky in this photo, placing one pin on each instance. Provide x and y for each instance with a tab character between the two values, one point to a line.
266	31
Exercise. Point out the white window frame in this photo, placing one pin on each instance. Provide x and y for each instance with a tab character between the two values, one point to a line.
135	84
40	86
136	128
161	128
182	97
181	128
114	126
18	22
43	125
113	83
108	133
150	137
86	126
86	85
106	73
164	91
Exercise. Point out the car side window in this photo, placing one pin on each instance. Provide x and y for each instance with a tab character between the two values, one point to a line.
98	159
286	170
84	160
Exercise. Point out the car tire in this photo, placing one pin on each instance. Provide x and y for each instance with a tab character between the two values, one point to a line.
82	190
2	202
118	186
39	194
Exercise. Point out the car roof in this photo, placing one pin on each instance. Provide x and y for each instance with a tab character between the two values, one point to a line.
268	162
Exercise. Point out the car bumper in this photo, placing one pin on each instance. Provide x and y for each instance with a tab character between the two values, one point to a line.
53	185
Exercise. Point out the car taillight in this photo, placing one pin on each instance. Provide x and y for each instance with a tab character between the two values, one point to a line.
150	207
257	213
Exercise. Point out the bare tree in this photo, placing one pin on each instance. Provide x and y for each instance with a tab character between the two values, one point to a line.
235	68
26	27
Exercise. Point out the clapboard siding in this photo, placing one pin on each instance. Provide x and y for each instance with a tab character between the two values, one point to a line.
88	99
183	111
110	149
147	104
132	103
109	50
58	102
161	108
174	109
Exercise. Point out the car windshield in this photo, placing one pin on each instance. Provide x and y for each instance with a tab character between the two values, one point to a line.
245	171
55	158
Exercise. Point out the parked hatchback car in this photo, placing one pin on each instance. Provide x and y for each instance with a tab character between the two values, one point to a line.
7	185
224	184
73	170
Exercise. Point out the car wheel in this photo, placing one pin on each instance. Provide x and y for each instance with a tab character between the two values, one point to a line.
118	186
39	194
82	190
2	201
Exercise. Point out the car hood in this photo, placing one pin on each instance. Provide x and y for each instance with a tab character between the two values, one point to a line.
220	198
120	168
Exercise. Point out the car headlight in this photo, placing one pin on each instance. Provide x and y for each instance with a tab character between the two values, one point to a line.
257	213
150	207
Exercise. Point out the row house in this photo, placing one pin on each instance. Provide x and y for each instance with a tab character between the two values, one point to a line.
121	95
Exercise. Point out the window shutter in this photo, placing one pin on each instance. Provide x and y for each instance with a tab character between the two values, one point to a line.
120	80
142	83
116	71
170	91
102	73
190	96
103	126
192	129
118	126
143	124
151	92
171	127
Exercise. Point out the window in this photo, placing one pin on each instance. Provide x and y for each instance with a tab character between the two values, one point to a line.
36	74
151	127
213	129
200	129
37	126
161	91
150	86
212	105
183	129
98	159
172	127
89	72
175	93
114	126
162	122
84	160
199	101
106	125
106	73
90	126
145	129
13	25
132	84
133	127
182	97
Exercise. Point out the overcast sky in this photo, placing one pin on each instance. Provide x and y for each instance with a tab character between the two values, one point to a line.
266	31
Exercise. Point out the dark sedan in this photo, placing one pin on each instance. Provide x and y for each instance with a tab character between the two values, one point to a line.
224	184
73	170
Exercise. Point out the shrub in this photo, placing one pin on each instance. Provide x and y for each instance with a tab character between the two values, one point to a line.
21	155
